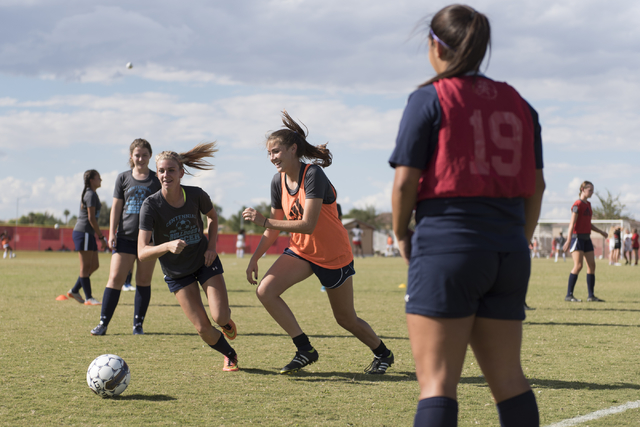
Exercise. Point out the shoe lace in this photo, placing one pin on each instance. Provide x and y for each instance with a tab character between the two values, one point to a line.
374	365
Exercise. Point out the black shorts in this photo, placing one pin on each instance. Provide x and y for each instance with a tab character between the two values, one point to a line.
584	245
330	279
124	246
202	275
84	241
488	284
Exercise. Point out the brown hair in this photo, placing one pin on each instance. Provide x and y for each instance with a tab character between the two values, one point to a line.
583	185
138	143
88	176
465	35
192	158
294	134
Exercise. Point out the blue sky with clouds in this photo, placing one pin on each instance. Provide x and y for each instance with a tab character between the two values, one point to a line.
224	70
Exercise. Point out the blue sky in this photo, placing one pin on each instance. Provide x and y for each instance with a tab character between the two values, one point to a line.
223	71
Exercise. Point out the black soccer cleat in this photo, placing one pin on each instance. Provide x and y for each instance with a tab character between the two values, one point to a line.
300	360
380	364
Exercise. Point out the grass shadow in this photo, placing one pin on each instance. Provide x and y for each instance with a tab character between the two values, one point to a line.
337	376
579	324
558	384
147	397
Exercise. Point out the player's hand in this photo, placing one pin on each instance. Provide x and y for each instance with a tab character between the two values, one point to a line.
605	234
176	246
254	216
103	242
404	245
209	256
565	247
112	242
252	272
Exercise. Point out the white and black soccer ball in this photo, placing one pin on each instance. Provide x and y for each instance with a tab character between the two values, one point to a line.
108	375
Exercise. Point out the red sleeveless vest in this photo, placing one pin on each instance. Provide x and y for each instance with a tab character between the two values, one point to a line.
485	142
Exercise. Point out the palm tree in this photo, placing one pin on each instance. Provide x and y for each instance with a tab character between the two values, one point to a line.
66	216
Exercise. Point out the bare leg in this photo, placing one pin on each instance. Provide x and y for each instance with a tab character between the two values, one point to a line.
191	303
341	300
216	292
89	262
120	266
439	346
144	272
577	261
284	273
496	345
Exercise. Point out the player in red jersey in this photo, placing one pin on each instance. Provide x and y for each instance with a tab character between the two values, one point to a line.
581	246
468	157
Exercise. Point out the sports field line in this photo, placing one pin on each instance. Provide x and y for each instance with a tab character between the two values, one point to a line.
597	414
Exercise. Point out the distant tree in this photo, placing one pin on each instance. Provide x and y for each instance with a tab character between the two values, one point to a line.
37	218
611	207
105	213
235	221
66	216
368	215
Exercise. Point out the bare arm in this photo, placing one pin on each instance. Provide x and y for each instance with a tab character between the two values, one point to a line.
147	251
403	200
211	253
532	206
268	238
91	214
572	224
597	230
306	225
114	220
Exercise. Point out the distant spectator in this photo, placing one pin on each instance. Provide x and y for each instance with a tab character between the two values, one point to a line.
626	242
240	244
390	251
559	244
535	250
356	232
8	250
635	245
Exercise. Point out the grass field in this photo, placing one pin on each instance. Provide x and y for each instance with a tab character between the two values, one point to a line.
579	357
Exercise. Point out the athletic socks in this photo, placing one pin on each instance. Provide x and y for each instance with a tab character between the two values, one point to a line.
109	303
85	282
519	411
591	284
143	296
77	286
573	278
302	342
381	350
222	346
437	411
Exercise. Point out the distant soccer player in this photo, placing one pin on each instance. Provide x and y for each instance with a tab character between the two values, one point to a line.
580	245
131	189
635	244
319	245
84	237
468	158
356	232
173	217
6	245
558	243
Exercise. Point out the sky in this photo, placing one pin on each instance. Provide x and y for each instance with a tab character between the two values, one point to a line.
222	71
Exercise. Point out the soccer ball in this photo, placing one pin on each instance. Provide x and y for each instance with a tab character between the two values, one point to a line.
108	375
129	65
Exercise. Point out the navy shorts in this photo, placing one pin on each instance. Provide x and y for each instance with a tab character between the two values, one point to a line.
84	241
124	246
330	279
202	275
488	284
585	245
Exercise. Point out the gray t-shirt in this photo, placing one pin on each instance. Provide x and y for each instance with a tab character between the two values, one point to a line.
133	192
316	186
168	223
91	200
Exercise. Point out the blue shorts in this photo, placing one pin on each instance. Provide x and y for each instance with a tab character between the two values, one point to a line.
124	246
84	241
202	275
487	284
330	279
584	245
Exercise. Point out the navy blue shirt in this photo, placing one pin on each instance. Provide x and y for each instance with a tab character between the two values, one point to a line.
464	223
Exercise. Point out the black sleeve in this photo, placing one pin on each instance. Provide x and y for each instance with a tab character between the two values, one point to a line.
276	192
205	202
146	216
317	185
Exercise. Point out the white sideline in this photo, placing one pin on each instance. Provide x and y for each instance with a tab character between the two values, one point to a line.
597	414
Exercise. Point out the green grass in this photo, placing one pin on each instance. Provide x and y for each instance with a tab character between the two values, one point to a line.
579	357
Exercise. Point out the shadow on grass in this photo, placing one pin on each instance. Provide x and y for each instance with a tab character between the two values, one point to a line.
557	384
147	397
579	324
305	376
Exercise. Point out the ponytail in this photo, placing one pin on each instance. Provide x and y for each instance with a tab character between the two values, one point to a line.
294	134
465	35
88	176
192	158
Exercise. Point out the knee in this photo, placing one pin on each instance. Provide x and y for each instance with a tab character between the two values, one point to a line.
348	322
263	293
